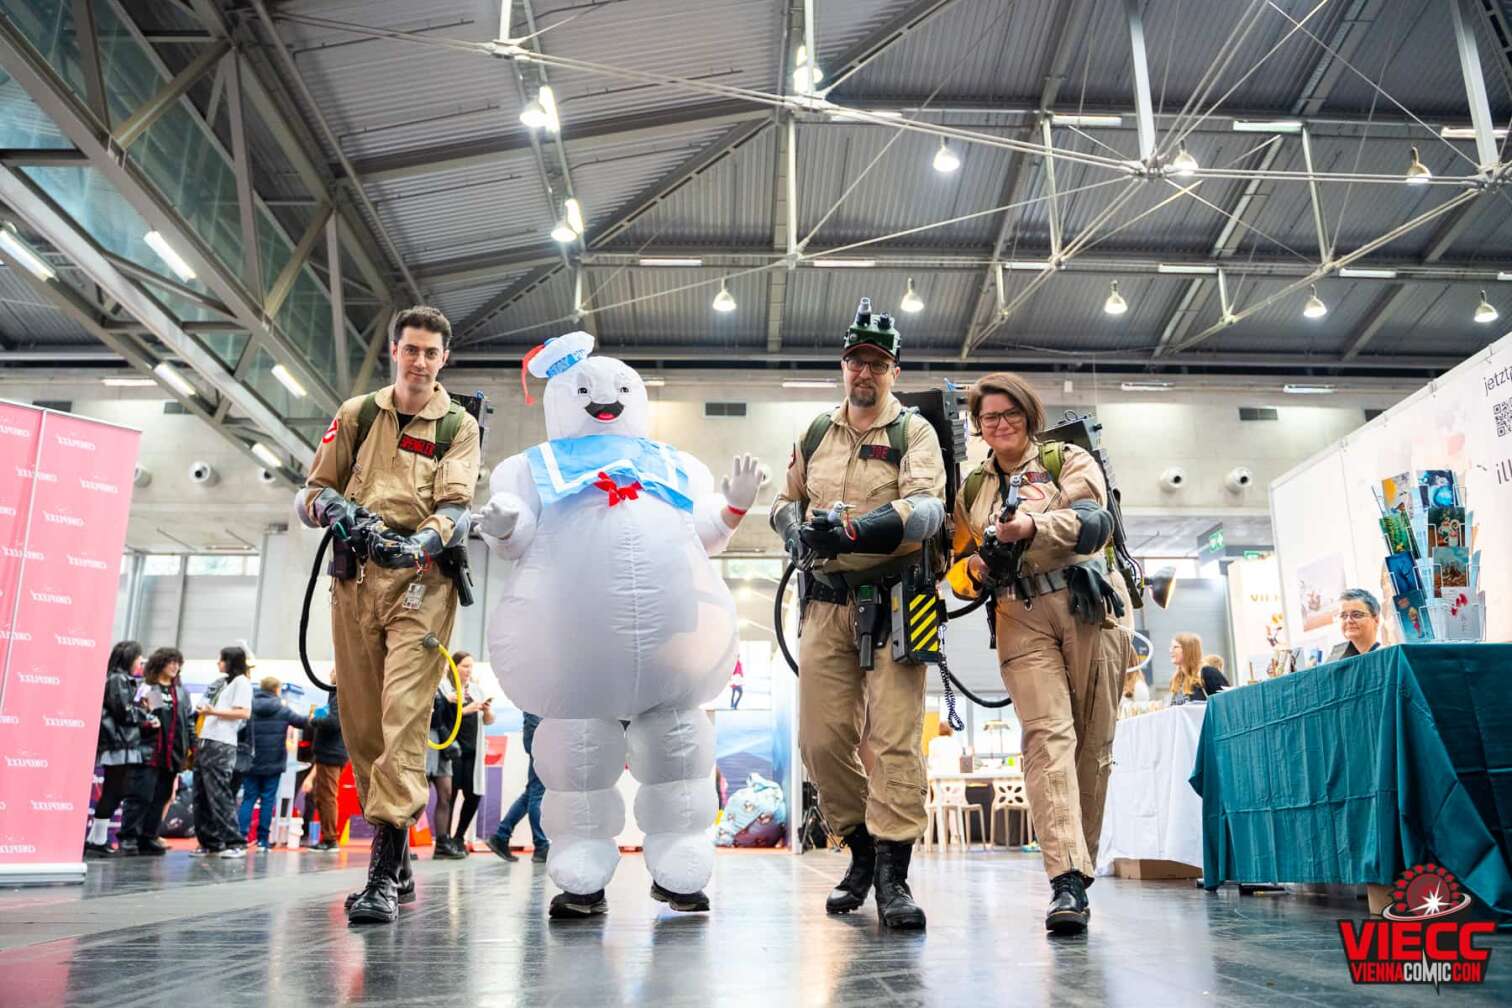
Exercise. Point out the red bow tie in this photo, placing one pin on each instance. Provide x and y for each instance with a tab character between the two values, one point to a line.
616	493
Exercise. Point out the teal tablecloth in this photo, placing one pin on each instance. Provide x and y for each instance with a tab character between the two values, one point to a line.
1352	771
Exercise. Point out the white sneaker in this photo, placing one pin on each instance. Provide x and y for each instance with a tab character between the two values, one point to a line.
232	853
201	852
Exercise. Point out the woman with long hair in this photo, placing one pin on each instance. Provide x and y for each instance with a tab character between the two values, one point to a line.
458	769
165	753
1186	659
120	742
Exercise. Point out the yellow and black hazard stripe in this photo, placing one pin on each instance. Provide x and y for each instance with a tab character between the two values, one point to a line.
925	615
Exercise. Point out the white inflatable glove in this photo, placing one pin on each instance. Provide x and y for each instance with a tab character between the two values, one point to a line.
745	479
499	516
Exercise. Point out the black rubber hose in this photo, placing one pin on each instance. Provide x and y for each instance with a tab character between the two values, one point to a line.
782	583
304	615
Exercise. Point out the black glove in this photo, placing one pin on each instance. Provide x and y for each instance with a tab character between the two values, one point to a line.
1096	526
879	531
785	522
392	549
330	508
1091	594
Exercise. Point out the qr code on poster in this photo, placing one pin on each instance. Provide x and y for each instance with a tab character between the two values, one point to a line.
1502	411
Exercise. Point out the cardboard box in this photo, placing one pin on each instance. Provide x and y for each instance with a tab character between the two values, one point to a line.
1148	869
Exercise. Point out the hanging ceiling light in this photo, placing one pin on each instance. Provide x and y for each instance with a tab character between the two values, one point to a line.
724	301
175	262
806	73
574	211
21	254
1115	305
541	111
911	301
563	233
267	456
1417	172
287	380
1485	311
945	159
1314	308
1183	165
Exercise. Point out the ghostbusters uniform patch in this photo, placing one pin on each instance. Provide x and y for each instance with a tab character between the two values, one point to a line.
330	434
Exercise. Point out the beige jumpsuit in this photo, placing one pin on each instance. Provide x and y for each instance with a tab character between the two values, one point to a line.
1063	674
388	678
835	698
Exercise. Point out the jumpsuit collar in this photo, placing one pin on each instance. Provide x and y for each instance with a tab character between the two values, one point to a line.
888	415
1030	453
435	409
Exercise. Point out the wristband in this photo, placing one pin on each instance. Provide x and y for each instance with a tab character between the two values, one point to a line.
737	512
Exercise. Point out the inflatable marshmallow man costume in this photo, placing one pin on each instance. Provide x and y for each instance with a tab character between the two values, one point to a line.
612	611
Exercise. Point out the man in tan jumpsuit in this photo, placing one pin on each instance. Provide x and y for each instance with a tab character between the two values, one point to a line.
405	473
1061	649
887	466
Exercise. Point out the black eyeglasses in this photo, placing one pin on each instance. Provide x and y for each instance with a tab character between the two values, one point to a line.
855	365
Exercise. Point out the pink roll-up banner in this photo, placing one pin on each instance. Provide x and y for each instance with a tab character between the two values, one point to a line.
65	497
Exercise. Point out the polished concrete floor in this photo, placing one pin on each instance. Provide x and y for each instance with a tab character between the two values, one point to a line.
187	933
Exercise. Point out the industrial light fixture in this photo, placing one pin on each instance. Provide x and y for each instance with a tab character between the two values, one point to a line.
911	301
173	379
796	383
1179	269
21	254
1268	126
127	382
653	382
1183	165
563	233
806	73
1353	273
175	262
945	159
1314	308
1468	132
1308	389
1085	120
1115	305
724	301
266	455
1162	585
1134	386
541	111
1417	172
288	381
1028	265
671	262
1485	312
1504	275
574	211
828	263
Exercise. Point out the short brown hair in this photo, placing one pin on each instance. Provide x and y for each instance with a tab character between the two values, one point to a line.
270	684
1014	387
422	317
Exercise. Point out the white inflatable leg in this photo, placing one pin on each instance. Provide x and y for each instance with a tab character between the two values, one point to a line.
672	756
582	813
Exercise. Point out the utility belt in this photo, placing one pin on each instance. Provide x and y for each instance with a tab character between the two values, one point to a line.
894	603
1092	595
348	556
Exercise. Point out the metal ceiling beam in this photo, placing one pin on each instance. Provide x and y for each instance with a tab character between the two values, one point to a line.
912	18
143	118
473	271
1475	86
246	196
1144	105
798	19
87	36
64	235
168	284
297	259
642	126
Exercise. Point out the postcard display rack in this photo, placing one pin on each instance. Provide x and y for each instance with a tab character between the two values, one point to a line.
1432	561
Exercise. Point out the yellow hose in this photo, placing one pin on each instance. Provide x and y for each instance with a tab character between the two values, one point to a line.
432	641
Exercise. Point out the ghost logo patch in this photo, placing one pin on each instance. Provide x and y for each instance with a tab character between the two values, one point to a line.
410	443
330	434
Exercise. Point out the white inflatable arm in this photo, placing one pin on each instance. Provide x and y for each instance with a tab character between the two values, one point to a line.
511	491
708	506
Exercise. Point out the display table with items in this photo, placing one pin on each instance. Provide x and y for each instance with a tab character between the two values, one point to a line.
1152	822
1352	771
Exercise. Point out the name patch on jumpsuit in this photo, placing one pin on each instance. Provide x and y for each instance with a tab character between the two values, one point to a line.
881	452
410	443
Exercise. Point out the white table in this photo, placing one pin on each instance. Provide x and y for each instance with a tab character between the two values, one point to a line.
1152	813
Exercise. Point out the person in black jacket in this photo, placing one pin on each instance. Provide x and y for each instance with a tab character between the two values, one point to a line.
120	741
329	757
271	719
165	753
1213	679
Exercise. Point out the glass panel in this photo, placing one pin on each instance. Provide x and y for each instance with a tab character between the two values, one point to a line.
260	379
22	123
215	566
227	346
48	26
305	315
161	565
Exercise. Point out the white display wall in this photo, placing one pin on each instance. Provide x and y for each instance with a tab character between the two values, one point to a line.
1325	514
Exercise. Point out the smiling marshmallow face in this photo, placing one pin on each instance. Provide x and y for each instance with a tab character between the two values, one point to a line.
599	396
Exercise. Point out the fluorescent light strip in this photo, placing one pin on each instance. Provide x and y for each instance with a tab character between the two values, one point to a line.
1268	126
288	381
844	263
1178	269
1504	275
266	456
1028	266
1353	273
1468	132
1308	389
128	382
175	262
671	262
653	382
1130	386
173	379
808	384
17	251
1085	120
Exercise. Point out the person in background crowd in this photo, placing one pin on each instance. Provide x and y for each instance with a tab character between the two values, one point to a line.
329	755
944	751
165	753
440	766
271	718
227	704
1213	679
1186	658
120	741
737	687
529	803
467	772
1360	621
1135	689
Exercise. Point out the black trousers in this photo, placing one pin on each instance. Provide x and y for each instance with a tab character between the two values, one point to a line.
214	799
142	812
113	790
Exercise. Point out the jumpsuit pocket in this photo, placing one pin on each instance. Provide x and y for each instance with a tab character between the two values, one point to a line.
902	775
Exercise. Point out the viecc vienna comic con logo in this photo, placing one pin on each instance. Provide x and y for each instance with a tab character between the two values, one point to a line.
1418	942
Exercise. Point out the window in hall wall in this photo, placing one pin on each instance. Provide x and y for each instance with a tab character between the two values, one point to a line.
161	565
212	565
1186	567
